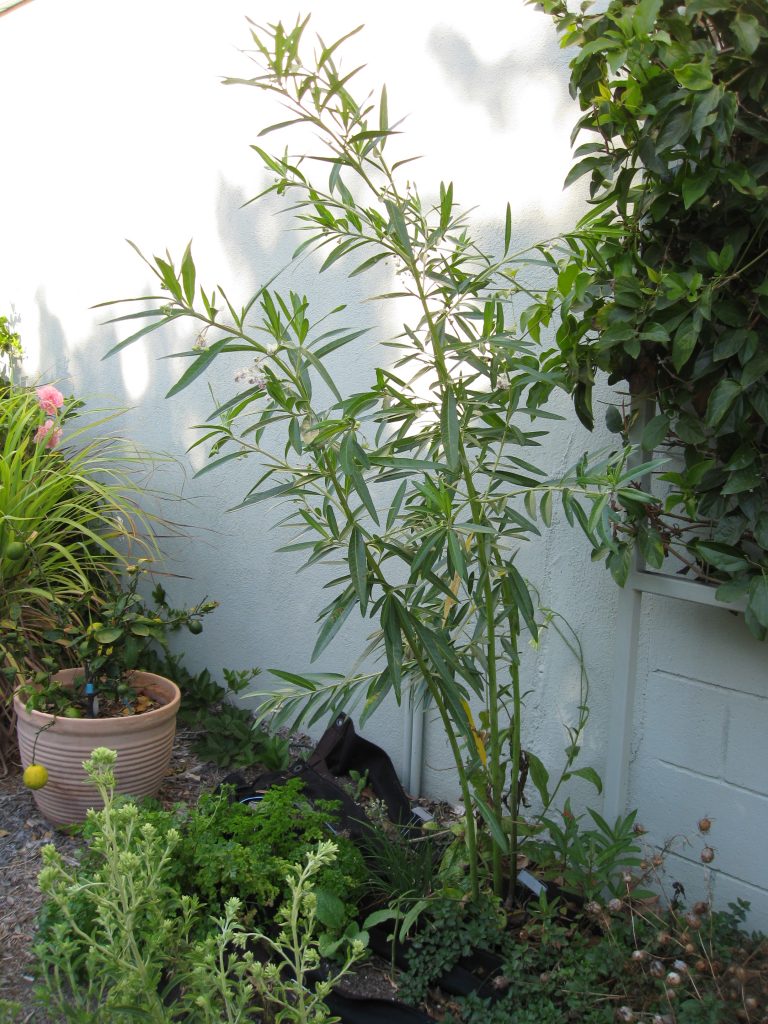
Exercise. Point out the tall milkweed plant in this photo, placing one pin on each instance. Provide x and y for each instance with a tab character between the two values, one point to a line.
421	485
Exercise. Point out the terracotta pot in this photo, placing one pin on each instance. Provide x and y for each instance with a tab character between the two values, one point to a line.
143	744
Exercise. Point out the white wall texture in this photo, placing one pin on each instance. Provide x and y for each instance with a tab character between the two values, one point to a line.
116	126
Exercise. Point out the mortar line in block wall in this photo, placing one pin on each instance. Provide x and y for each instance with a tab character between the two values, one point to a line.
719	779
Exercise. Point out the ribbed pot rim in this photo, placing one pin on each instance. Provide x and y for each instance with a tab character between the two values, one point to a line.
160	688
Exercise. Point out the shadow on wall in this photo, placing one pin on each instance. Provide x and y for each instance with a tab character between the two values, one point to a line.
54	343
490	85
524	90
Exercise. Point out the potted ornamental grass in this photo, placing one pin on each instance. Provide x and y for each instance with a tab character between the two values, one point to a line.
62	716
72	633
70	519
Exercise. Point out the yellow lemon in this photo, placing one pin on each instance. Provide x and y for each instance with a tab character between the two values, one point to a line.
35	776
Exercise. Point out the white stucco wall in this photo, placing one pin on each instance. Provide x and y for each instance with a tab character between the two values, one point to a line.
116	126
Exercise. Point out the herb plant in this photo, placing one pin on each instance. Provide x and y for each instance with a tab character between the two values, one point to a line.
223	848
663	284
284	981
121	941
421	485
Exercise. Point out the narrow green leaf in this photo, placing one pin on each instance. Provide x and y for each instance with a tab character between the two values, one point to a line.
383	112
456	551
188	275
397	501
393	642
316	362
359	484
358	566
545	508
449	428
539	776
334	620
335	343
169	279
163	319
518	594
198	366
494	826
361	268
399	226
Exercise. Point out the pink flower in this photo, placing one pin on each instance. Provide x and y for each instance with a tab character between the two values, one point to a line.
49	433
50	399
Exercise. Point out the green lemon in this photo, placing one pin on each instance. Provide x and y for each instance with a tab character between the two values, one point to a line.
195	627
35	776
15	550
72	712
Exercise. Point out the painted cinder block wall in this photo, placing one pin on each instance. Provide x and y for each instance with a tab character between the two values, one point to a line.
116	125
699	749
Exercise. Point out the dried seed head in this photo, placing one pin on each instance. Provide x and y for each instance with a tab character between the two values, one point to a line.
690	948
615	905
627	878
670	993
593	907
657	861
673	978
701	907
639	954
662	938
656	969
707	855
680	965
624	1013
705	824
693	921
